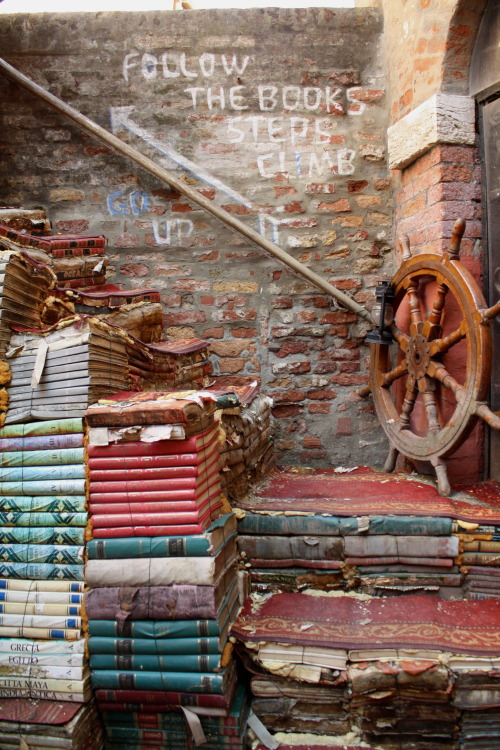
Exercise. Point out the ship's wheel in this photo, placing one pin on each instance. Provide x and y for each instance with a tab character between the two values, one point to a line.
430	385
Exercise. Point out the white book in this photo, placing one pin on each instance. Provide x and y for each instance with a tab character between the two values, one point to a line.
24	658
40	672
50	597
40	621
21	682
25	646
35	608
30	584
21	631
42	694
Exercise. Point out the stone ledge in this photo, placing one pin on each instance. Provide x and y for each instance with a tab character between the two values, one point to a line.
444	118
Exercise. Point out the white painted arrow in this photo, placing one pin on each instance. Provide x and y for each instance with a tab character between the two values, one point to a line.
120	118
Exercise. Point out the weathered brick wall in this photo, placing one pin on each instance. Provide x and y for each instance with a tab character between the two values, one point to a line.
429	44
287	110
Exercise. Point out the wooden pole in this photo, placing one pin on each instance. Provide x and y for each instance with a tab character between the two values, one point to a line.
165	176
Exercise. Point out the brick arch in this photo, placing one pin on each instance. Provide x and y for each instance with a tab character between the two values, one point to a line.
462	33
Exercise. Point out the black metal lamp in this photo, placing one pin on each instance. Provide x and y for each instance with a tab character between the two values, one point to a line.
384	293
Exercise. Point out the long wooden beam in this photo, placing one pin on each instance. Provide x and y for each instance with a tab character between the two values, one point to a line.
165	176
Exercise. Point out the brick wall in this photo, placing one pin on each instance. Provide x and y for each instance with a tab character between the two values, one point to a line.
287	110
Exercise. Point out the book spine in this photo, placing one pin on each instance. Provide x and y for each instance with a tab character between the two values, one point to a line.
48	487
175	734
193	444
141	530
42	443
195	682
43	519
40	694
260	523
76	252
102	645
157	663
41	597
152	602
46	428
409	525
187	488
40	621
181	477
42	553
60	685
42	660
56	457
160	697
44	503
169	546
480	558
42	672
177	463
44	571
148	519
152	630
42	535
172	720
127	507
80	283
25	475
36	586
25	647
54	634
35	608
151	571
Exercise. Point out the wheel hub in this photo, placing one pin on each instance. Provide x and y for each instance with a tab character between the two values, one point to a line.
418	356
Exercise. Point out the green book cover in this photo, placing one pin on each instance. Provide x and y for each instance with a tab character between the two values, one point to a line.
43	504
60	457
157	663
48	427
195	645
43	519
42	535
197	545
41	553
186	682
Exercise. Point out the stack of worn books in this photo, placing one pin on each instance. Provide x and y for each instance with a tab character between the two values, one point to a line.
154	464
305	528
161	663
42	529
413	665
138	311
24	287
248	451
45	725
61	370
180	365
76	260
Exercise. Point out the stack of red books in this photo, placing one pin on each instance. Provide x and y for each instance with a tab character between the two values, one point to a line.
153	464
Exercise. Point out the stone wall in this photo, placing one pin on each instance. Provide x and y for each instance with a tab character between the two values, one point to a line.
284	114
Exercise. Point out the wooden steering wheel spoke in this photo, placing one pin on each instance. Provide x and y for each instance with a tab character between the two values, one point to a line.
441	329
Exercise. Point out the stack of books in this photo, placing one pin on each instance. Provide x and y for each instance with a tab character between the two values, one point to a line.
414	666
161	573
153	464
182	364
42	529
61	370
45	725
479	559
31	220
24	287
138	311
248	451
77	260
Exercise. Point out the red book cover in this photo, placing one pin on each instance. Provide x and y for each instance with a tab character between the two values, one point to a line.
170	485
178	465
75	283
150	494
110	295
138	530
406	621
160	698
152	519
135	468
76	252
194	450
130	408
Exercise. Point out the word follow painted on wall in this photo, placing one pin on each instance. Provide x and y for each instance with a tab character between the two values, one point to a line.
176	65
